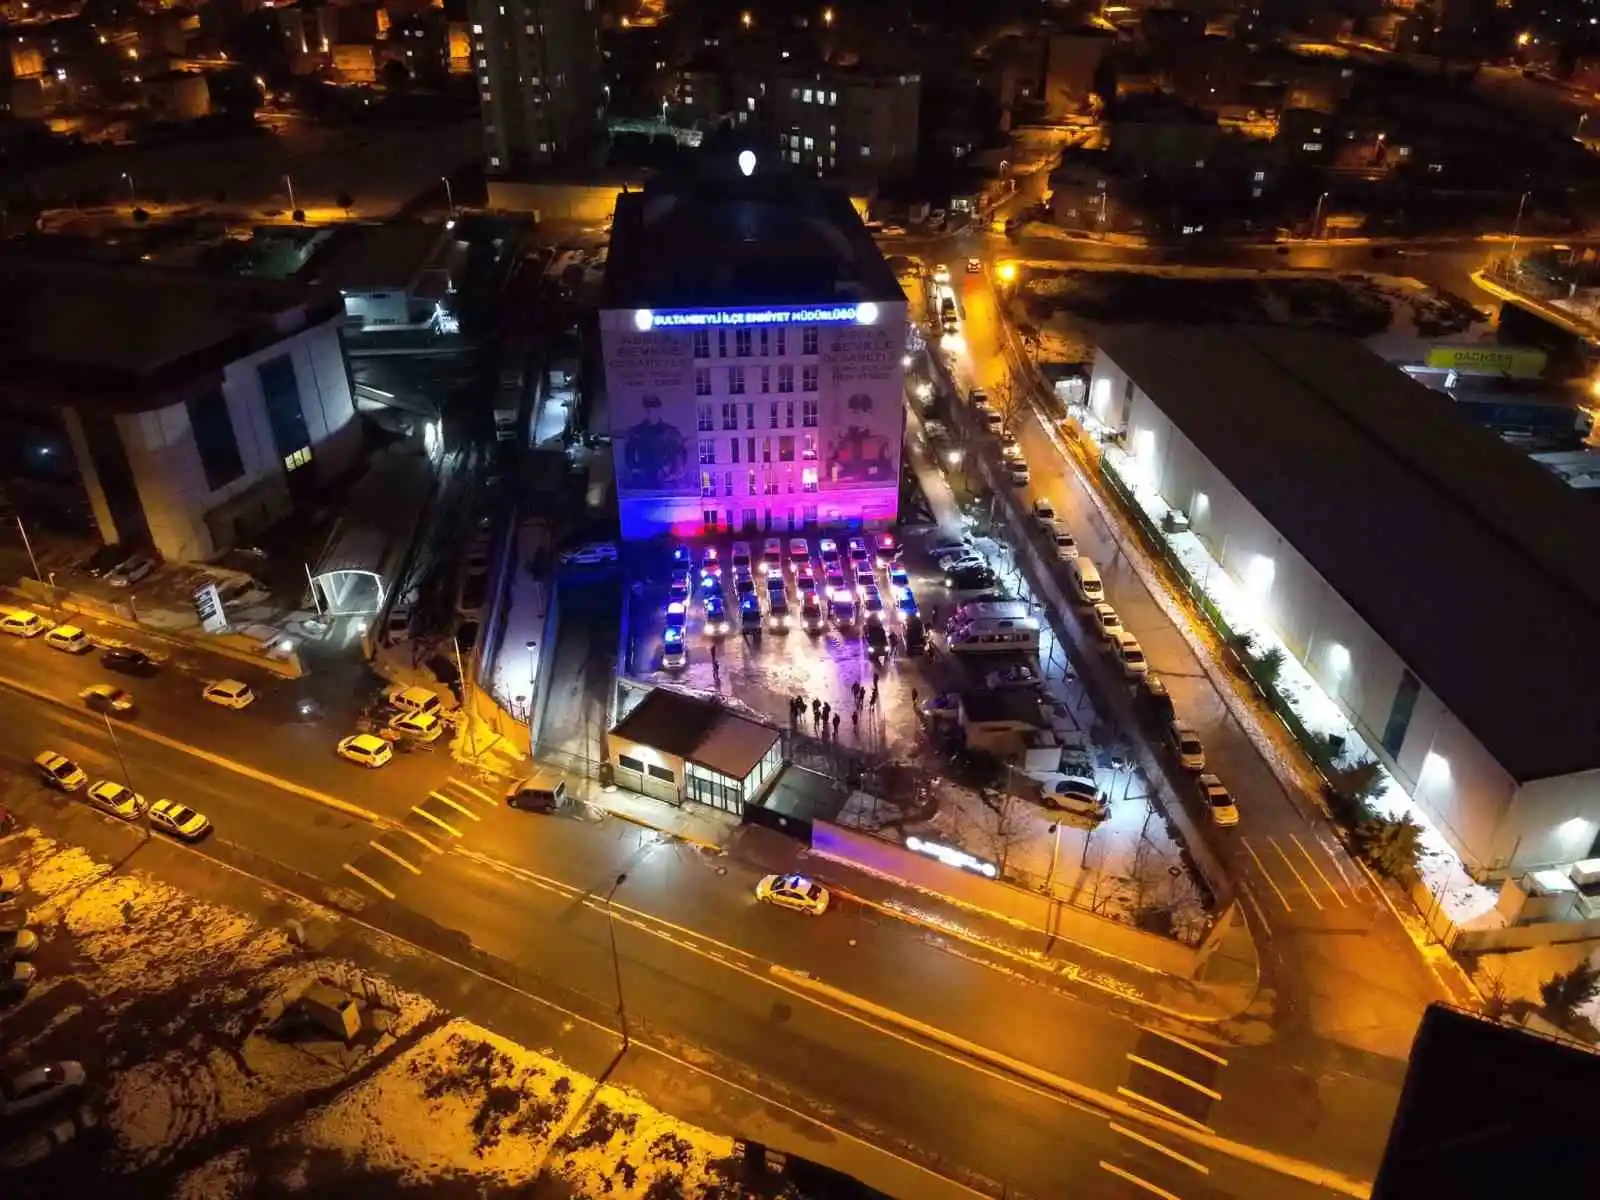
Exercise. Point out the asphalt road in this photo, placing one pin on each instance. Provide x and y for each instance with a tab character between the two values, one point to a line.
458	869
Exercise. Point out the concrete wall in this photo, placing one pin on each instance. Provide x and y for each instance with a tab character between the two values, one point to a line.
1439	763
1036	911
647	785
558	201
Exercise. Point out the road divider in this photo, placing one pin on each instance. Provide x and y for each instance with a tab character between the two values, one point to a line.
1115	1106
217	760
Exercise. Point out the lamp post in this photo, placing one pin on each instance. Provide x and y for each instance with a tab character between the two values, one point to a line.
28	545
616	963
1055	852
289	183
1316	219
127	779
1516	225
133	193
466	699
449	196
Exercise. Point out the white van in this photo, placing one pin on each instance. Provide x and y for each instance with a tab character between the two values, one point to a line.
994	637
543	791
1086	579
989	610
413	700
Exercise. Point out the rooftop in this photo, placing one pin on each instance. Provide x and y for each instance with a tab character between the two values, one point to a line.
391	256
1473	563
698	731
711	236
128	332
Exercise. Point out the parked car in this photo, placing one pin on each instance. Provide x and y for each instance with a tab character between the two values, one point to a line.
1218	801
69	639
10	885
1131	655
1010	448
17	943
593	555
794	891
418	727
116	800
674	653
1017	472
974	266
15	980
179	820
59	771
1043	510
1107	622
19	622
35	1088
1186	744
229	693
104	560
710	562
716	616
130	571
1155	698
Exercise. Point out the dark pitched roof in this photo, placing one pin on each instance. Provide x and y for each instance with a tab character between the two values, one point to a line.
698	731
1476	566
711	236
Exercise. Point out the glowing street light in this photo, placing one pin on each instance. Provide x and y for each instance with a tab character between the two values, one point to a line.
827	17
746	19
133	194
1007	271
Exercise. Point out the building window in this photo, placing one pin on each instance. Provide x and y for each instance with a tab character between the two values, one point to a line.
808	413
786	449
770	485
785	378
708	518
808	340
766	450
708	452
702	343
749	416
727	483
722	343
764	333
788	414
750	449
741	343
807	96
750	481
766	374
808	479
662	774
772	422
705	421
293	462
280	390
808	378
735	381
733	446
708	483
783	342
215	439
730	415
808	448
628	763
866	152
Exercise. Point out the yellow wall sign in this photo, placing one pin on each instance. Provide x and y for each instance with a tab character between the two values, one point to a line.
1520	362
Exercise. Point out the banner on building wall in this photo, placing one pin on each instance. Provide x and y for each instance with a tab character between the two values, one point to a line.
863	408
650	386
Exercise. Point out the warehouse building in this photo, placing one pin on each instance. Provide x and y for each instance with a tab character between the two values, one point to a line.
1442	588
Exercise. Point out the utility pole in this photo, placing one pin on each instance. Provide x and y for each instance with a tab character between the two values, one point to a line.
616	963
466	700
1516	225
127	779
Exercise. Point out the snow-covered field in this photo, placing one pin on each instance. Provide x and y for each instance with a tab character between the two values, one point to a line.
169	1001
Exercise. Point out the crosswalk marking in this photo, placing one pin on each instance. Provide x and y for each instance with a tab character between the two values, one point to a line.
1262	867
1177	1075
1136	1181
384	850
1310	895
1186	1044
1162	1108
1320	874
472	791
450	829
462	809
1159	1148
369	881
415	836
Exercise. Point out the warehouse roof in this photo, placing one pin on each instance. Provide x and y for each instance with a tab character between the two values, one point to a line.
1473	564
698	731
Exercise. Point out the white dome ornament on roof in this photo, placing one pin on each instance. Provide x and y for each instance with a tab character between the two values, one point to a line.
747	162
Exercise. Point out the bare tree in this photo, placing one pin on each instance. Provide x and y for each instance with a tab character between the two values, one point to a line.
1010	822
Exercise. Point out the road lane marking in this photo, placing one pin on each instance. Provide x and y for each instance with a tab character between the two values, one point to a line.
1310	895
1159	1148
1320	874
369	881
411	833
1171	1074
1262	867
450	829
470	790
1137	1182
1187	1045
384	850
1256	906
1163	1109
1356	886
465	812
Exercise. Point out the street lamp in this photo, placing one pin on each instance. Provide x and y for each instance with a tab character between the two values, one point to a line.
289	183
133	194
616	963
531	647
127	779
1516	225
466	700
449	196
1316	219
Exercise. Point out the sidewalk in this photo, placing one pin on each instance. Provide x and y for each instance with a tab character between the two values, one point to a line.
708	828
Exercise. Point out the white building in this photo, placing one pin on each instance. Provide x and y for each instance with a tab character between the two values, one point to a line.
753	340
394	276
1443	589
167	409
857	122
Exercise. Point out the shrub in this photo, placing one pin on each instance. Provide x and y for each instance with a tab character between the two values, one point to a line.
1564	994
1391	846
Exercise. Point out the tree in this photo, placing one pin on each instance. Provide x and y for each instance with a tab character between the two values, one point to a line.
1007	399
140	216
345	201
1565	994
1011	821
1268	666
1352	789
1390	845
299	216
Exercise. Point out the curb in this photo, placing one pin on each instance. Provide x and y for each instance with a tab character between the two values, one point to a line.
1279	1163
702	843
239	768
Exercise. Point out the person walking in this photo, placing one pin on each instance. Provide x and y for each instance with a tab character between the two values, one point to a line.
713	655
835	726
855	722
816	712
827	711
914	697
874	693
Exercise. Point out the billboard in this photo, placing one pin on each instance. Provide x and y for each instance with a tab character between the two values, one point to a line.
650	387
1518	362
863	408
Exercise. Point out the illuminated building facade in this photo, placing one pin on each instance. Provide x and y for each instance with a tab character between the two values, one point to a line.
753	340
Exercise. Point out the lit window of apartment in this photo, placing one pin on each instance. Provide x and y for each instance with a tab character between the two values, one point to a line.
706	419
702	343
785	378
702	381
808	415
742	343
808	340
808	378
735	381
730	413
